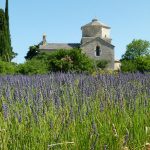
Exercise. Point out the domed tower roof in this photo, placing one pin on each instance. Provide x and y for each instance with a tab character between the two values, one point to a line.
95	29
96	22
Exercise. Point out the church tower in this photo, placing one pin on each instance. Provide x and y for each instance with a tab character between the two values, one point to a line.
96	42
95	29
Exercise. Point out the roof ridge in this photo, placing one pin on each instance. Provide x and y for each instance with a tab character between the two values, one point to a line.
97	38
96	22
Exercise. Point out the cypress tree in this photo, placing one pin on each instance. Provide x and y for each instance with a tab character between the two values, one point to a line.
7	21
5	53
10	52
6	13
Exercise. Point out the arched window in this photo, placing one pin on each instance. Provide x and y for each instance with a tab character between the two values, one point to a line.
98	51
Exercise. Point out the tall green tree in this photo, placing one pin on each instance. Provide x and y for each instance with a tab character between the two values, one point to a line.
4	44
136	48
7	22
6	52
136	57
13	54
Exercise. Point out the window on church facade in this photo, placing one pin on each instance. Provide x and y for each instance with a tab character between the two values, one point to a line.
98	51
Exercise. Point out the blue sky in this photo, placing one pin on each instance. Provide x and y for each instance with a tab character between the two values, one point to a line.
61	20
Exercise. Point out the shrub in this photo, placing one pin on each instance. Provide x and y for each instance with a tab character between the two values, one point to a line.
128	66
102	64
70	60
140	64
143	64
7	67
33	66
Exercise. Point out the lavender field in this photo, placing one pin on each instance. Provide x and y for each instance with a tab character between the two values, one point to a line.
75	112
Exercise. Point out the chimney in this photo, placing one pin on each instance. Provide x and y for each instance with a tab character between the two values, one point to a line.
44	39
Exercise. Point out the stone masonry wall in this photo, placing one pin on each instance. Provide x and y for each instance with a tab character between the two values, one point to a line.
107	52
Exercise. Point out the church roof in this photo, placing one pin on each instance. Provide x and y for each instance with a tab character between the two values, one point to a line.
99	39
56	46
96	22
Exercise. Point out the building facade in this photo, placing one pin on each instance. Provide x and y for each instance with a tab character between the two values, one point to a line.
95	42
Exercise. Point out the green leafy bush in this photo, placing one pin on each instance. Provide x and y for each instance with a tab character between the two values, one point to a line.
102	64
143	63
136	57
140	64
67	60
7	67
33	66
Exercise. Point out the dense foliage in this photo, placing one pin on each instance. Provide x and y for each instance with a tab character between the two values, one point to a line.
4	44
70	60
7	22
33	51
102	64
6	53
33	66
66	60
75	111
136	57
7	68
136	48
141	64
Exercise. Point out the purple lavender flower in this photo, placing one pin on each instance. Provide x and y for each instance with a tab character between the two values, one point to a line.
5	110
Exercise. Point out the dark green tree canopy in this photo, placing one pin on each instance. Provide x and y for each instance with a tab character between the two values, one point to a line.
7	22
4	44
7	13
2	20
6	51
33	51
136	49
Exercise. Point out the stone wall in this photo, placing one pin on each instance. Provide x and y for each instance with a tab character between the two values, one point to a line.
92	31
105	33
117	65
107	51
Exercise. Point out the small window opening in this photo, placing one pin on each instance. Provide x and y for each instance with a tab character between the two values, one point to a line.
97	51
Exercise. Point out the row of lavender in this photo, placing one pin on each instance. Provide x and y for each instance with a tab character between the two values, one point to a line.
75	95
44	88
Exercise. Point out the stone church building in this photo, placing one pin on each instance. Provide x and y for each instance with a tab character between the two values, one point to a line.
95	42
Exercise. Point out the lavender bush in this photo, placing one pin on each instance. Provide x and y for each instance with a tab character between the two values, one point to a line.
74	111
